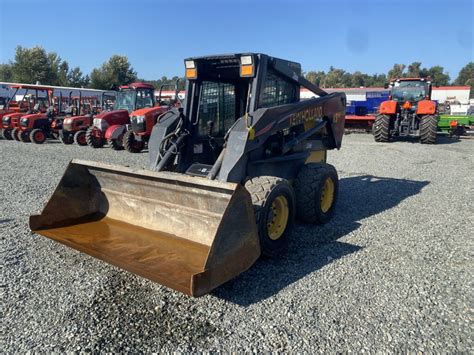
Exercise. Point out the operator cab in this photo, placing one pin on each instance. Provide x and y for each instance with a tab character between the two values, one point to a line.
411	90
222	89
135	96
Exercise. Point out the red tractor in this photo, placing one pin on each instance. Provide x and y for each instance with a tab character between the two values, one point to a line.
74	126
110	126
409	112
142	120
30	103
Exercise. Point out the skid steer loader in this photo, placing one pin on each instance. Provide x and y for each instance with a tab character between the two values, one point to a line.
229	171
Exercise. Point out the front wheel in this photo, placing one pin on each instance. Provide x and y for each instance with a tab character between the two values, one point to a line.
316	188
428	129
7	134
273	199
16	134
131	144
66	138
116	144
80	138
92	140
37	136
381	128
24	136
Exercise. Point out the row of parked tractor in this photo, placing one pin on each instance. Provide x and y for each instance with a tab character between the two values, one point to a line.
122	119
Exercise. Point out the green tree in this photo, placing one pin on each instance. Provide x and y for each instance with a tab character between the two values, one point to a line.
113	73
465	77
396	71
31	65
6	73
75	78
438	76
414	70
316	77
335	78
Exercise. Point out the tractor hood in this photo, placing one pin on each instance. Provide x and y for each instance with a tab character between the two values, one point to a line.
149	110
112	114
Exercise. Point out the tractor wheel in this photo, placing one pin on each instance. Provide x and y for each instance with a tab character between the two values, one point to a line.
116	144
15	134
131	144
381	128
316	188
92	140
24	136
37	136
273	200
428	128
66	138
7	134
80	138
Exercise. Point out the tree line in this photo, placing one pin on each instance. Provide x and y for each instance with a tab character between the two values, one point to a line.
31	65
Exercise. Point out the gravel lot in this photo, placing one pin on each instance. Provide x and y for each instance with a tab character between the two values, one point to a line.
391	272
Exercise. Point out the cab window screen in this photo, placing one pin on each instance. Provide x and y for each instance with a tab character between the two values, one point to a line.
217	104
277	91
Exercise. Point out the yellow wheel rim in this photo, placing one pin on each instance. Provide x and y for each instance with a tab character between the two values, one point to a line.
327	195
277	218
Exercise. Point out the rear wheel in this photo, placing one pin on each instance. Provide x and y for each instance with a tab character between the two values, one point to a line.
428	129
92	140
273	199
131	144
24	136
7	134
316	189
116	144
37	136
66	138
80	138
16	134
381	128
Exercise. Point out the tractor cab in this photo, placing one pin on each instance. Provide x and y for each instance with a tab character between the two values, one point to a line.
135	96
410	90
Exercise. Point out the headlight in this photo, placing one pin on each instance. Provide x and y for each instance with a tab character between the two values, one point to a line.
24	119
6	119
139	119
67	120
100	124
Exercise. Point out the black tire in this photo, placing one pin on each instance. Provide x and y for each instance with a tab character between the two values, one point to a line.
7	134
15	134
37	136
66	138
381	128
264	190
24	136
311	187
93	141
131	144
428	129
80	138
116	144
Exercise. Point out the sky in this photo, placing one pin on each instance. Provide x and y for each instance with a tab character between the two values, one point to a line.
365	35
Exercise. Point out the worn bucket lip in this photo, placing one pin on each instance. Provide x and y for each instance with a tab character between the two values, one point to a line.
180	178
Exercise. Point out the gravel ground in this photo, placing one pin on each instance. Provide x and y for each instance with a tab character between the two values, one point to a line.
391	272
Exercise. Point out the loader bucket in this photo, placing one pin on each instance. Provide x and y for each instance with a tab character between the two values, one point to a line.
188	233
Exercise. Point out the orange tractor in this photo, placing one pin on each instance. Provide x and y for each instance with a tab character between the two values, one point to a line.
75	125
142	120
409	112
31	103
110	127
